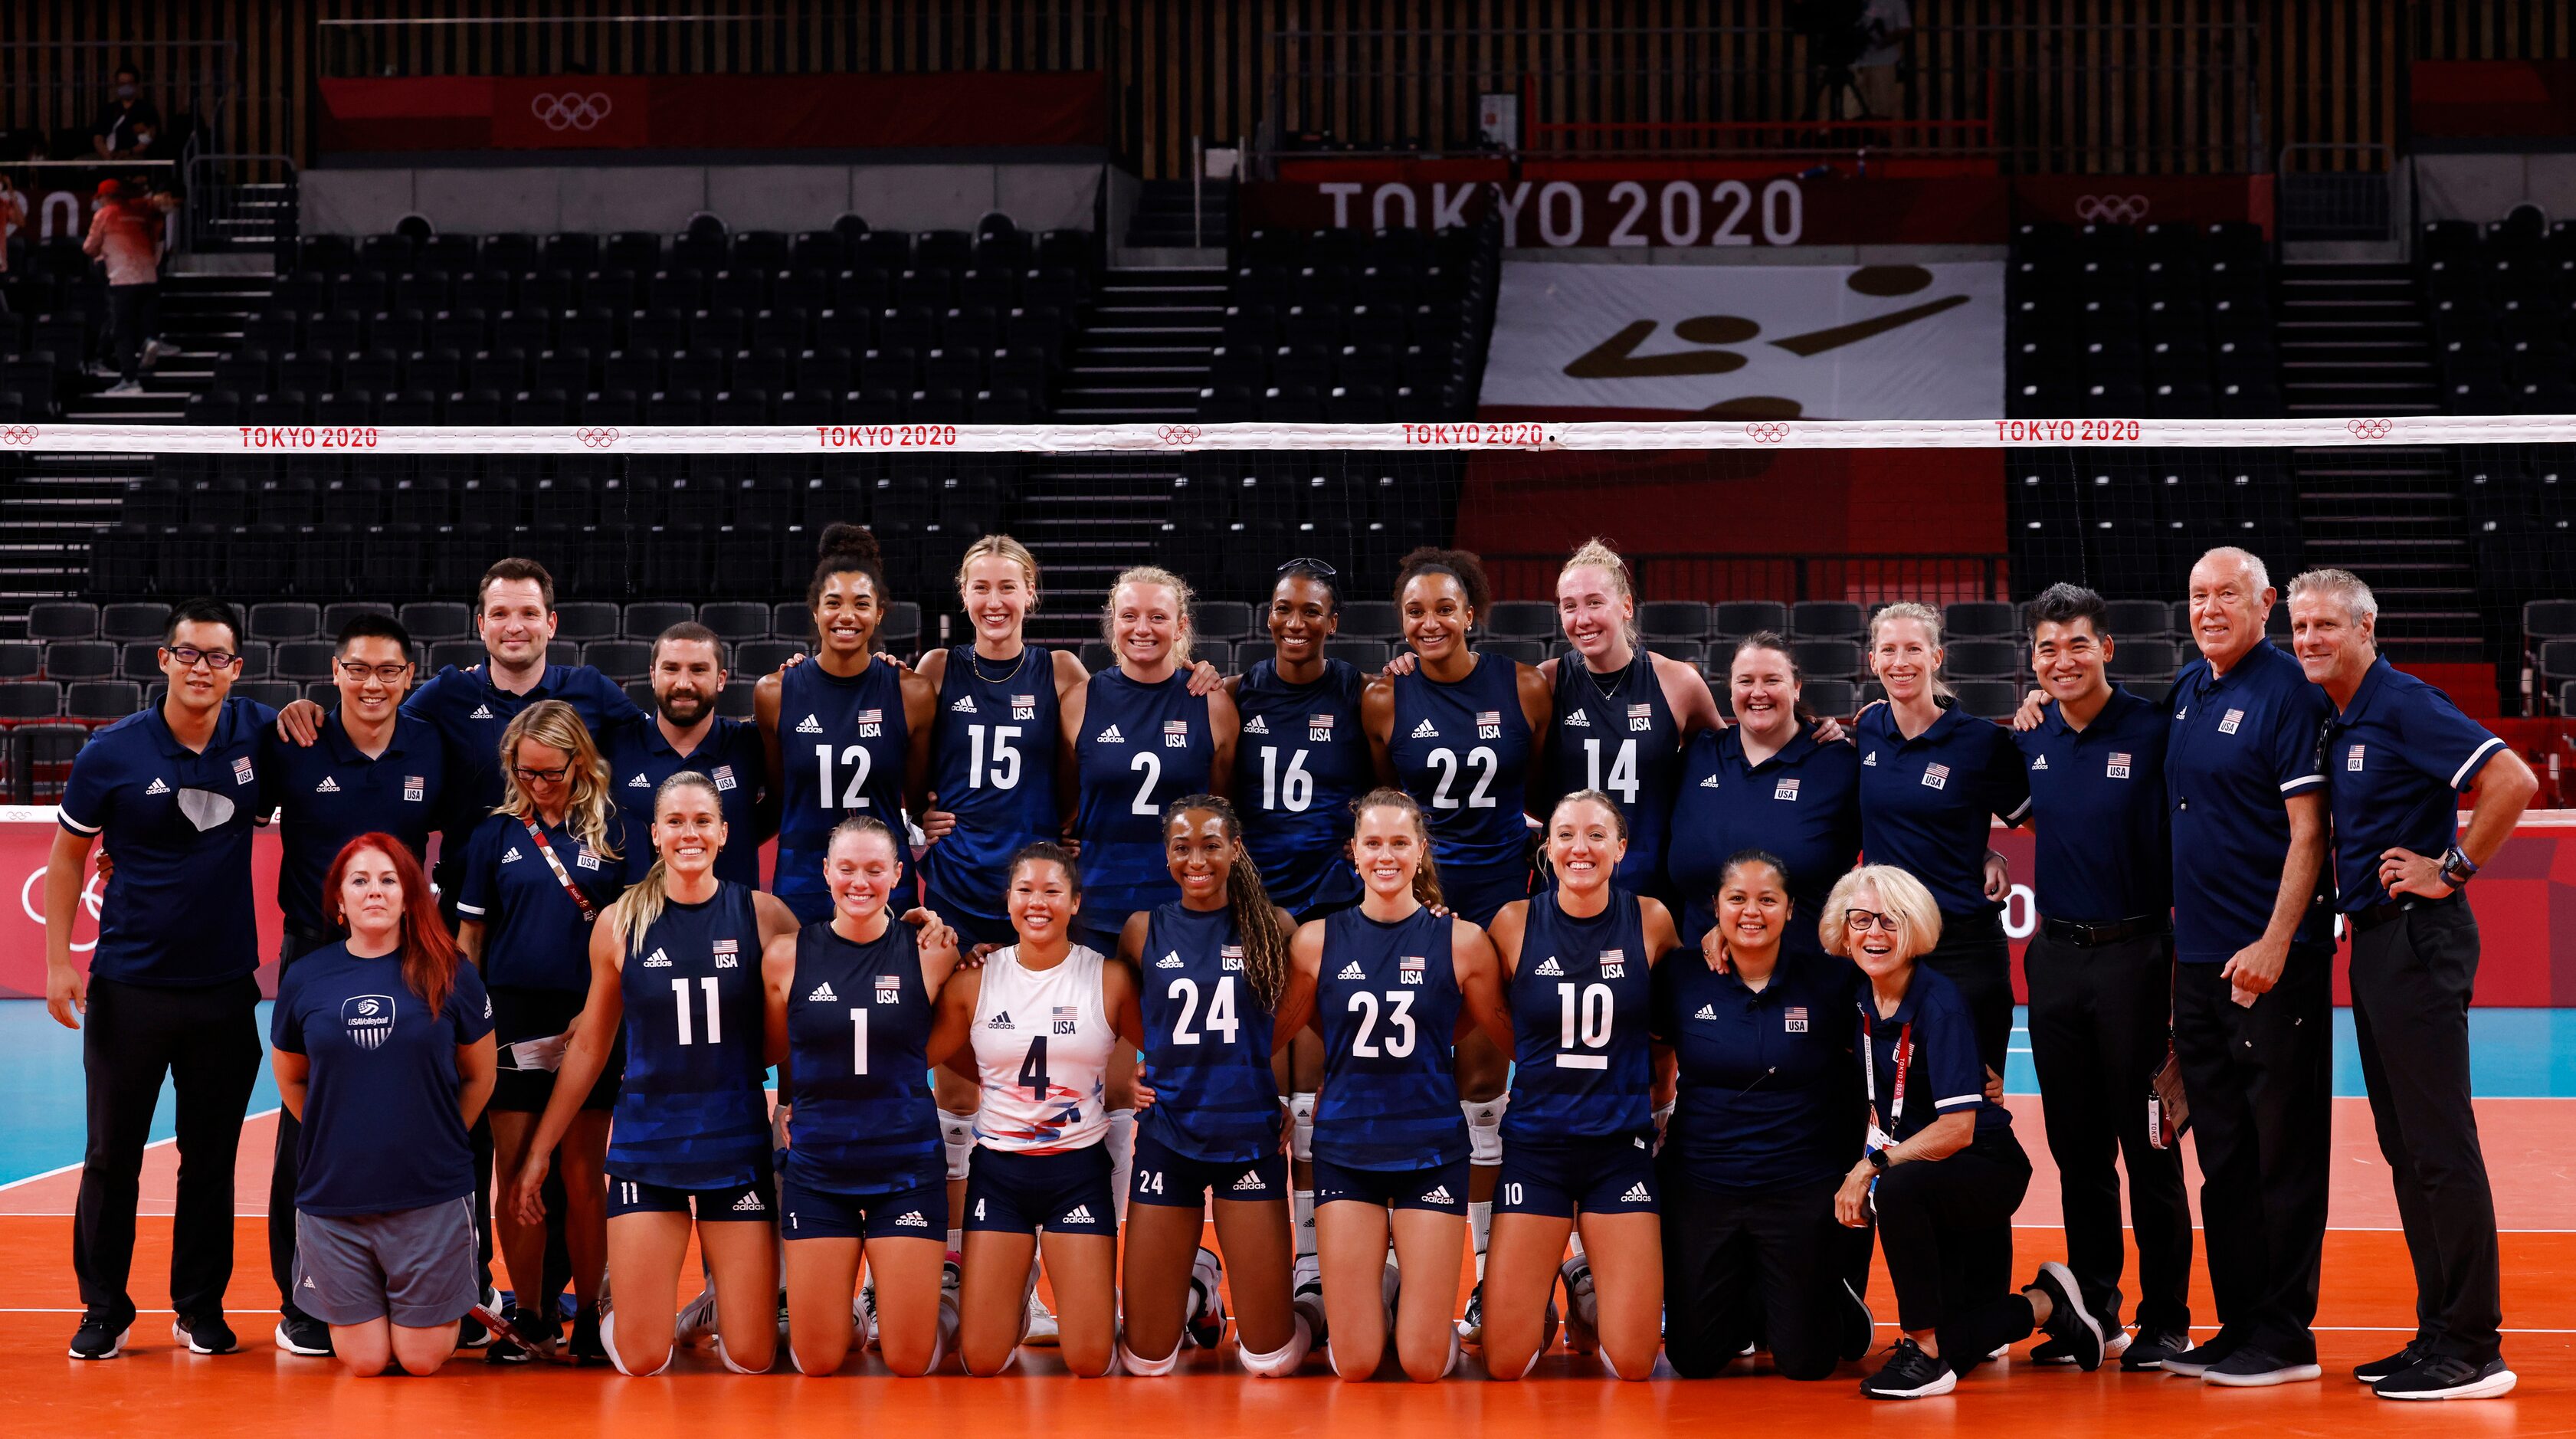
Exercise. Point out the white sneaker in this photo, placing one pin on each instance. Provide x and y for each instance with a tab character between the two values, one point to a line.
155	351
1041	1326
697	1320
1582	1306
1205	1323
124	388
1306	1295
866	1313
1471	1329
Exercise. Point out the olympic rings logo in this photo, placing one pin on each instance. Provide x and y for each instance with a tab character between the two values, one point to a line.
1178	434
2111	209
93	893
2368	429
17	434
569	110
1767	432
597	439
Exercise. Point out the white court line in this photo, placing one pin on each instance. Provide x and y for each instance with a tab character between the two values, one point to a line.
75	1164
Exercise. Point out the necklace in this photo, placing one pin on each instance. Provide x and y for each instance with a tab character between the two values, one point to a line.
977	661
1608	684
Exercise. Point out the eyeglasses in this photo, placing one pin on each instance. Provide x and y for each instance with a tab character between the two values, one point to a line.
1310	566
188	655
359	673
1861	921
542	776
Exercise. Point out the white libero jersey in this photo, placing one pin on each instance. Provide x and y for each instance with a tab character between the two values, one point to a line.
1042	1043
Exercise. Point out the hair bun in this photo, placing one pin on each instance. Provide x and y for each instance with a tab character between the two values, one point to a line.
843	538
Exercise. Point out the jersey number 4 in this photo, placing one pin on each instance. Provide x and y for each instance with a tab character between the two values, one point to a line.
1033	1071
1219	1020
1399	1037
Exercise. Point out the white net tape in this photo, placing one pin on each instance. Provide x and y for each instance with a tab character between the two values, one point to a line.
1186	437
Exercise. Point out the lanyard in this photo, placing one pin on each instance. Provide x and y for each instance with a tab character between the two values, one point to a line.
1869	1070
590	912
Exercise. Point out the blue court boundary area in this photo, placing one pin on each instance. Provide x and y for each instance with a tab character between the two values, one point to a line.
2513	1053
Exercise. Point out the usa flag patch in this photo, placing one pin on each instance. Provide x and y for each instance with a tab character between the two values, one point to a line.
1936	776
1796	1018
1229	957
414	786
241	770
1489	724
1641	718
1065	1017
2118	768
724	777
1409	969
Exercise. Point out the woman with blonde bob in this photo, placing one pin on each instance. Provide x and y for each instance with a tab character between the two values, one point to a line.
538	872
1941	1169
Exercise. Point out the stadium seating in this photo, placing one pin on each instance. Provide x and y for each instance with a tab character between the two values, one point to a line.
2497	299
1353	327
2169	320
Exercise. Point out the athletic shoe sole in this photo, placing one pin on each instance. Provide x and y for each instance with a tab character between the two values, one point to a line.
291	1347
1938	1387
2065	1278
121	1336
2286	1374
180	1333
2492	1386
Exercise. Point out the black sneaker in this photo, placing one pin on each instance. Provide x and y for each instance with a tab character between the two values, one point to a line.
2255	1368
2055	1354
470	1331
303	1334
2398	1363
205	1334
1909	1373
1857	1324
2196	1361
1471	1329
95	1340
2447	1376
535	1328
2069	1322
584	1345
2151	1351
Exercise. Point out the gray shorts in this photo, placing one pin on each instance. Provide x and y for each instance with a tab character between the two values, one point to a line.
415	1266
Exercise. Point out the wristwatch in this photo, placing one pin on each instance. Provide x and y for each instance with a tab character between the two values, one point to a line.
1878	1160
2457	868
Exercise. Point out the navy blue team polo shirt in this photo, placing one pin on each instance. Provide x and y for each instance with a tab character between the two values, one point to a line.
2396	760
470	715
381	1128
2098	796
1802	804
178	911
1768	1080
2238	747
1944	1076
534	936
1924	801
329	793
640	757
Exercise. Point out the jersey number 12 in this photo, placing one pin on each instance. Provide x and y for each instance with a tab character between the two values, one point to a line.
855	762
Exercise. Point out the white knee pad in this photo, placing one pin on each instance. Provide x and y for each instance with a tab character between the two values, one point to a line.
728	1361
1301	1126
1485	1129
1121	1141
1144	1368
1610	1364
1451	1365
957	1135
1283	1361
1526	1365
608	1341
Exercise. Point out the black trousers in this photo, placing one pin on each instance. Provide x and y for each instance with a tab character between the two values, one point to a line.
206	1039
133	316
1972	954
2411	980
2097	1036
1941	1223
1745	1263
2261	1084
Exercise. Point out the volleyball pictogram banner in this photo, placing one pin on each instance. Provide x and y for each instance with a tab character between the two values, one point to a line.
1751	342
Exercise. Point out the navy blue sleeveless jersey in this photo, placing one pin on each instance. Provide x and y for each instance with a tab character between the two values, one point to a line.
1624	743
1387	1002
1463	751
842	745
857	1021
1207	1041
1299	760
1141	747
690	1113
992	764
1578	999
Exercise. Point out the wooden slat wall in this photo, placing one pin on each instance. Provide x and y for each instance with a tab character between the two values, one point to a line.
2108	85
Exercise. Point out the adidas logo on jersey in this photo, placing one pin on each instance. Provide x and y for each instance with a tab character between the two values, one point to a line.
912	1220
822	994
1709	783
1352	970
1169	961
1256	725
512	857
1548	966
1109	736
749	1203
2039	765
1000	1020
657	960
1637	1194
1426	730
809	725
1249	1183
1576	720
1439	1195
327	786
156	787
482	712
1078	1214
1869	760
1706	1011
639	782
965	705
309	1284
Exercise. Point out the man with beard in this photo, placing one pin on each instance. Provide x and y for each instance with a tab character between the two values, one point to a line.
686	733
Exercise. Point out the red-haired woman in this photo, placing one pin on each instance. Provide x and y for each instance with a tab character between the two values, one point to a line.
383	1049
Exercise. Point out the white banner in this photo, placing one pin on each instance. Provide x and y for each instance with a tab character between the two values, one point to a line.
1832	342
